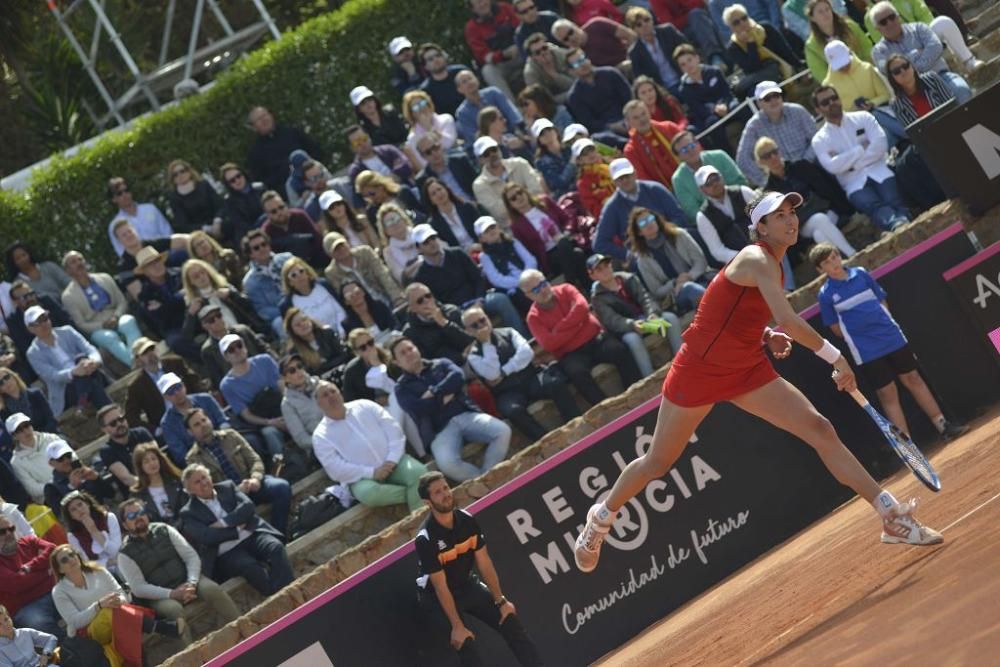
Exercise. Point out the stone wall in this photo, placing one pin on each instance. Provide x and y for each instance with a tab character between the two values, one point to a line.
345	559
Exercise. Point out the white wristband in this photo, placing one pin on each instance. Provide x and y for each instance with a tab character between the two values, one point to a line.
828	352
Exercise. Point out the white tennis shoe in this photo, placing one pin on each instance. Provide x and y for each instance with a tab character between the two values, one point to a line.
901	528
588	544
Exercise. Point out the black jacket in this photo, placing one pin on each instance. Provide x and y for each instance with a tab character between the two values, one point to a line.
177	497
457	281
669	38
196	209
242	212
807	178
268	157
461	168
436	341
467	213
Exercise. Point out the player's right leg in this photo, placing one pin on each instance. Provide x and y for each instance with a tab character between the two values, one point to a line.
674	427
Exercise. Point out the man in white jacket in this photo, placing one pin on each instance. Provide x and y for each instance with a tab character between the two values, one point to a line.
360	445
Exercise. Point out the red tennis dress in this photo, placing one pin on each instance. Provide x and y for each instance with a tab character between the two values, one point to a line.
722	356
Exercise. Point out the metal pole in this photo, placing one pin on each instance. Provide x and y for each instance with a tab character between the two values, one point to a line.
87	64
167	28
220	17
267	19
124	53
193	42
95	41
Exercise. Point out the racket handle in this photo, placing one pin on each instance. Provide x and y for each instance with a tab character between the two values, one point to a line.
859	397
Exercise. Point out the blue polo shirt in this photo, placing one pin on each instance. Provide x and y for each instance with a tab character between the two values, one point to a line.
856	305
239	391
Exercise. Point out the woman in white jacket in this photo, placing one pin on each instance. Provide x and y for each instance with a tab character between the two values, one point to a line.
30	460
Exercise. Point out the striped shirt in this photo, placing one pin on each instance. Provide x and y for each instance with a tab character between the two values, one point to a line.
793	132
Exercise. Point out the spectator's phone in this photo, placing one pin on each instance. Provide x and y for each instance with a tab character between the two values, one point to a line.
75	464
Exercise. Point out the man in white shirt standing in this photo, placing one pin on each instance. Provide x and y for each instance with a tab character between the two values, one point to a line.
853	147
359	444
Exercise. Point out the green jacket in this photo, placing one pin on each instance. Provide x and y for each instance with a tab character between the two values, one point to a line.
910	11
686	190
858	42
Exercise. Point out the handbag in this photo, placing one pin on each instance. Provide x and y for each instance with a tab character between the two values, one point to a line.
314	511
266	403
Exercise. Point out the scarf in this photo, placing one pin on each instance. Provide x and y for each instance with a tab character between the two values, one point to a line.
504	256
658	248
758	36
661	157
599	180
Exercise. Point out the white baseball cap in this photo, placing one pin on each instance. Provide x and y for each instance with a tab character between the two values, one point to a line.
838	56
329	198
397	44
574	130
32	314
540	126
359	94
620	167
481	225
422	232
168	381
16	421
226	341
704	173
579	147
483	144
765	88
58	449
771	202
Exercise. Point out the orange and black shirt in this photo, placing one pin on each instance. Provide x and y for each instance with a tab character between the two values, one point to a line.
452	550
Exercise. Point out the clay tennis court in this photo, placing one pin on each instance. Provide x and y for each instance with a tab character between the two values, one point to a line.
834	595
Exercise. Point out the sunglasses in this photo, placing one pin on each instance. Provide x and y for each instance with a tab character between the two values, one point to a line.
827	101
259	246
211	317
767	155
479	323
577	64
293	368
361	347
233	179
684	150
431	149
740	19
886	20
276	209
41	318
173	390
539	51
121	420
235	345
65	558
132	516
423	297
7	531
899	69
542	284
489	152
419	106
646	220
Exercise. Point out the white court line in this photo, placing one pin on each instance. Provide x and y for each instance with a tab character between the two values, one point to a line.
970	513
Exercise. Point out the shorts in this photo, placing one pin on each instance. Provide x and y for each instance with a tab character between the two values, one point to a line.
691	382
883	371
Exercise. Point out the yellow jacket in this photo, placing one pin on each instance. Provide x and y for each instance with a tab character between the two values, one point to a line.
860	80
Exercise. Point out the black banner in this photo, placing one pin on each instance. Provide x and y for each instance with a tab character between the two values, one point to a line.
976	284
741	489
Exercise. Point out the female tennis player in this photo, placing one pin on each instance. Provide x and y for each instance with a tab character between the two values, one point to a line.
723	359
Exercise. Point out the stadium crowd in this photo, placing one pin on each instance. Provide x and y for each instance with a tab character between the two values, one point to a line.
504	226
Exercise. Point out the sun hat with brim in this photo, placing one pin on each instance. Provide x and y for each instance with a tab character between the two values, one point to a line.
332	240
16	421
141	346
147	256
771	202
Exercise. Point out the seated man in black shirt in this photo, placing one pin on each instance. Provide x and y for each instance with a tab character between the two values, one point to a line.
436	328
448	546
116	454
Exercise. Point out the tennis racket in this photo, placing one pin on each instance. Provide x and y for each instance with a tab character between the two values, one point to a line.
901	444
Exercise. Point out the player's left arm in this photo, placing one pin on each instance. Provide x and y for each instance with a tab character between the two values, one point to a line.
492	580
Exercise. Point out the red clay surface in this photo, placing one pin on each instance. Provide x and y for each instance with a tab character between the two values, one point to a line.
834	595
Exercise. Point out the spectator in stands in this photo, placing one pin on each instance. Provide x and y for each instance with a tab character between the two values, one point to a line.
489	34
626	310
916	93
291	229
825	25
69	474
175	245
503	359
604	41
760	10
91	529
491	123
547	67
337	215
658	100
365	312
652	53
27	582
822	197
194	203
316	178
242	210
204	286
423	119
722	219
538	223
17	397
435	327
262	283
669	260
213	363
322	350
598	95
502	260
475	100
116	453
252	391
706	94
66	362
144	404
533	21
98	308
23	298
298	404
692	18
536	103
440	81
452	217
853	147
400	250
230	538
381	122
553	160
496	172
454	168
158	483
562	324
789	124
758	49
91	602
914	31
159	565
594	184
146	219
648	147
30	460
384	158
34	647
312	295
406	73
44	277
296	189
454	278
693	157
161	301
268	157
862	84
361	264
228	457
433	393
359	444
378	190
612	229
179	404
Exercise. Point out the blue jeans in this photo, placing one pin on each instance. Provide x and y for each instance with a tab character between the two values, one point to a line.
40	614
278	492
689	297
959	86
274	438
881	202
701	29
894	130
470	427
633	341
89	388
498	304
111	340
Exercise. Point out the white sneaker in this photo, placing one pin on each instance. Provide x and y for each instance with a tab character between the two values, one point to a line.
902	528
588	544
